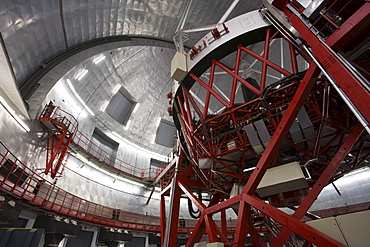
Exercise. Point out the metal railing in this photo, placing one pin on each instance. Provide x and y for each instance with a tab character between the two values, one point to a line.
93	149
22	183
53	115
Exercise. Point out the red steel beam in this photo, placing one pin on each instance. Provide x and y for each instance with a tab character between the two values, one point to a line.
322	181
289	116
170	238
351	29
265	57
262	59
311	234
162	217
197	233
211	228
234	83
207	87
234	74
353	89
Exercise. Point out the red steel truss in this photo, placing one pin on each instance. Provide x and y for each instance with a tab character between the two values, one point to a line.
60	129
217	152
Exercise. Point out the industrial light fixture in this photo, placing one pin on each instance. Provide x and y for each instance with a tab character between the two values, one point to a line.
135	108
249	169
84	160
127	125
82	74
105	105
118	138
116	89
99	59
14	115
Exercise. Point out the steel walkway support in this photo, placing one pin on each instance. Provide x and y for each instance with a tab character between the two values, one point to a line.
60	129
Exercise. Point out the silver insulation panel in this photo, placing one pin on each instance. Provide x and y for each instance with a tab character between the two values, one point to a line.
36	31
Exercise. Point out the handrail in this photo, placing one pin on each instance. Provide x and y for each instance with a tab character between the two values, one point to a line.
52	112
91	148
20	182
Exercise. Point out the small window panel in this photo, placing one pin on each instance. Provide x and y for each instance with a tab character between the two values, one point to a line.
121	106
165	135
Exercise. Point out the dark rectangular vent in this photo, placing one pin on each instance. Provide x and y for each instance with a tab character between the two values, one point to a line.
121	106
166	134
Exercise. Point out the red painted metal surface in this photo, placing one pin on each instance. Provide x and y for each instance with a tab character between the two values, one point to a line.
19	181
22	183
53	117
61	128
219	148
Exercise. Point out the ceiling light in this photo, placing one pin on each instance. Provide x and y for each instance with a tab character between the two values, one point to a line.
79	98
135	108
127	125
14	115
82	74
158	122
249	169
104	106
117	89
118	138
99	59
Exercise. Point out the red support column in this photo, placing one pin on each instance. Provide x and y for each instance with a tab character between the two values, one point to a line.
265	57
344	79
223	222
197	233
211	229
234	83
311	234
208	87
163	218
170	238
291	113
245	225
242	224
322	181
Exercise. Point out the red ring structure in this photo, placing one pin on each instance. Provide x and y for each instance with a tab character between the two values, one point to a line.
223	143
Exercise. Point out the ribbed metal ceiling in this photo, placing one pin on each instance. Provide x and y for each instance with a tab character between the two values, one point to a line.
36	31
49	38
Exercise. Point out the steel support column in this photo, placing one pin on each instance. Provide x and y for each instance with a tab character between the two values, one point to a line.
283	128
344	79
170	236
321	182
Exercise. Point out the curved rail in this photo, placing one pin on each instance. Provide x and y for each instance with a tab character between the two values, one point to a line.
20	182
53	115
